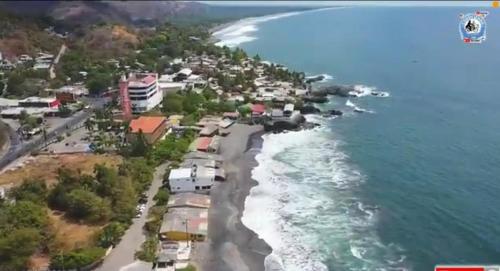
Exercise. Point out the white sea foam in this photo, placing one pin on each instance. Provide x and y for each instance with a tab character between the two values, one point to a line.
244	30
326	77
356	107
362	90
306	208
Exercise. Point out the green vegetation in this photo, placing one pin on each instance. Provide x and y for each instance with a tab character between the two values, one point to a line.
188	268
23	226
148	250
77	258
152	226
111	234
161	197
107	197
172	148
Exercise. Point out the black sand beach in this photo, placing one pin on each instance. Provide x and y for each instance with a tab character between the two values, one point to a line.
231	246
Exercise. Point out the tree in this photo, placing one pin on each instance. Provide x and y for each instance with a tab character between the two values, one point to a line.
256	58
31	190
111	234
97	83
17	246
162	197
76	259
172	103
22	214
89	125
139	146
88	206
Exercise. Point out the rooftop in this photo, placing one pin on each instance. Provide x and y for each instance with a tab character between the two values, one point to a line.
189	200
180	173
148	124
203	142
142	79
176	218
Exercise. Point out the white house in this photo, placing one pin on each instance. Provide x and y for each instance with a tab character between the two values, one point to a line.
192	179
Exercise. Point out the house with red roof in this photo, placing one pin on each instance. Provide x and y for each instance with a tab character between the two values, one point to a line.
152	127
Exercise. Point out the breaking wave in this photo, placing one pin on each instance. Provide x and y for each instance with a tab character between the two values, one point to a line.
243	30
314	216
357	108
326	77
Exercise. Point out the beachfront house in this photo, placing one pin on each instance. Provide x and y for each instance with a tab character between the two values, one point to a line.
184	224
189	200
193	179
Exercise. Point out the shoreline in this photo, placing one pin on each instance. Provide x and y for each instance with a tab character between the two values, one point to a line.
231	246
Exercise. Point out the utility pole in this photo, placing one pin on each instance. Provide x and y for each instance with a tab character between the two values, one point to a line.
187	234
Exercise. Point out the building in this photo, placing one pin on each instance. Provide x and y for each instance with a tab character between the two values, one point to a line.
288	109
191	179
183	224
69	94
277	113
209	130
38	102
201	162
183	75
208	144
152	127
231	115
191	200
143	92
258	109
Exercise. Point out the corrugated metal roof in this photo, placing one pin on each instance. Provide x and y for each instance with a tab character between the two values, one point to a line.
203	143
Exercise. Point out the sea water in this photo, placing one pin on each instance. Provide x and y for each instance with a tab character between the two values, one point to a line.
412	182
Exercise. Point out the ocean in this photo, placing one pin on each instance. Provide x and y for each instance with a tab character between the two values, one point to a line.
412	182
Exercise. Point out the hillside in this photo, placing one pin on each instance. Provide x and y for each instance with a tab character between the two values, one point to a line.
81	13
20	35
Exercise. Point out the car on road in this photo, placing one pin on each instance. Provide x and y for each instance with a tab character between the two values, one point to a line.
140	210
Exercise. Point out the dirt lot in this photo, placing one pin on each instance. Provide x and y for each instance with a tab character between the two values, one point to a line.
45	167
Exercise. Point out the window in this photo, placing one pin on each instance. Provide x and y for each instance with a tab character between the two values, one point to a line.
197	187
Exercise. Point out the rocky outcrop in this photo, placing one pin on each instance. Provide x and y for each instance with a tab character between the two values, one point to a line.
334	112
315	79
315	99
309	109
339	90
296	122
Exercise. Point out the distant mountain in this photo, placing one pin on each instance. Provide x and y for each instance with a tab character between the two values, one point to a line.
74	13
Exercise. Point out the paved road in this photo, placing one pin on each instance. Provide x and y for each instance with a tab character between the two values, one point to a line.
19	148
121	257
52	72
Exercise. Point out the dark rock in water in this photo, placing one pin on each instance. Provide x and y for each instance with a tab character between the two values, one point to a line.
310	125
315	79
315	99
319	93
339	90
278	126
298	119
335	112
309	109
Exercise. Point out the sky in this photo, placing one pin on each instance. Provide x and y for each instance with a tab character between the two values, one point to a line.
350	3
